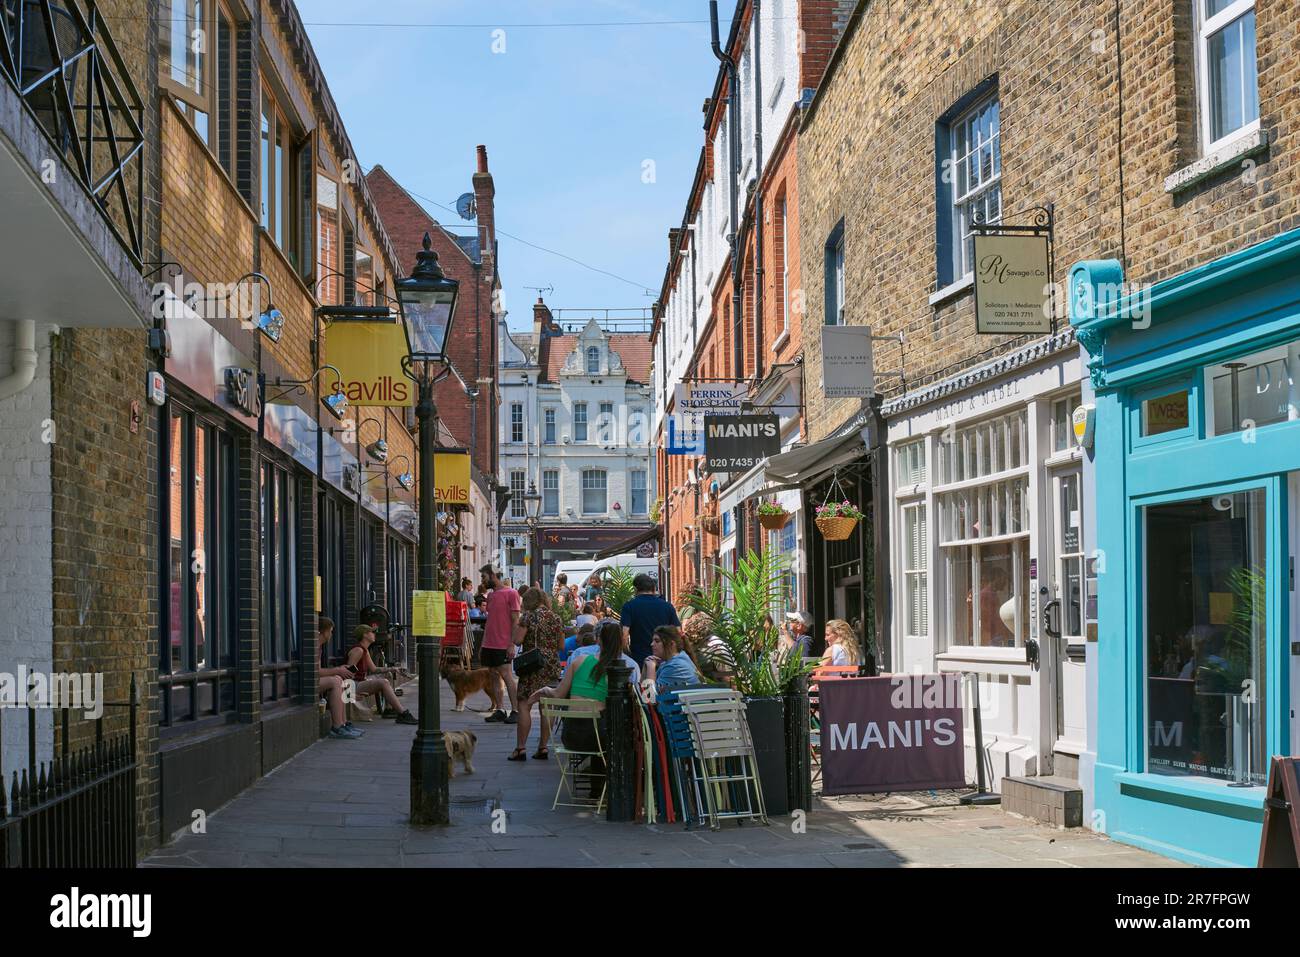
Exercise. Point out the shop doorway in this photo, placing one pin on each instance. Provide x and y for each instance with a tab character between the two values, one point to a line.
1293	631
1063	614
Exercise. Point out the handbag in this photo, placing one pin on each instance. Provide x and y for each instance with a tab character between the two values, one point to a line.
528	663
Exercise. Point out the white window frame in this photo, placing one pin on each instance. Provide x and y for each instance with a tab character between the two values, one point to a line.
785	261
1206	29
580	421
516	421
593	360
549	419
959	130
550	483
602	487
644	489
916	573
518	486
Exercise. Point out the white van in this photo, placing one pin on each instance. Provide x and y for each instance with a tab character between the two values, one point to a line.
579	571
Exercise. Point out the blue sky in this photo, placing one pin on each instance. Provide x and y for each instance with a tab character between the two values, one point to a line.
569	114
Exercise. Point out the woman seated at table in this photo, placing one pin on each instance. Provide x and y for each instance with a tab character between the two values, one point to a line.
670	665
587	677
841	644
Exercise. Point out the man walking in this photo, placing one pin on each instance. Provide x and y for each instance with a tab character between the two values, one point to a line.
498	649
643	614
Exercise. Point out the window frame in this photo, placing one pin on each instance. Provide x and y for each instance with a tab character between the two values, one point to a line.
580	420
959	127
1206	30
644	490
329	275
835	290
217	105
280	589
548	425
550	484
275	204
603	488
516	421
517	492
593	359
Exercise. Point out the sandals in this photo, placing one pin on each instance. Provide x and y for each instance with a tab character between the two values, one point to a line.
518	754
541	754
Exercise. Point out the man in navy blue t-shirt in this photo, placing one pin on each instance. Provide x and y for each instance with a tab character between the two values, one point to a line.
643	614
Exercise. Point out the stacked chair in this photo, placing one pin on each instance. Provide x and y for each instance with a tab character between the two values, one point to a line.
712	752
571	761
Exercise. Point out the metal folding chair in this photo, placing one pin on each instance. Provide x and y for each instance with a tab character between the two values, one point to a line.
574	710
725	754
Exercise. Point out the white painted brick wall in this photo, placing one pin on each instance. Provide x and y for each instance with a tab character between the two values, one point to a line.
26	563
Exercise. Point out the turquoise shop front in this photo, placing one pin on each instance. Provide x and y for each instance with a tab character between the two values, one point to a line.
1196	454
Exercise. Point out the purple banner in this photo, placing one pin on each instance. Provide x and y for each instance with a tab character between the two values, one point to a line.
899	733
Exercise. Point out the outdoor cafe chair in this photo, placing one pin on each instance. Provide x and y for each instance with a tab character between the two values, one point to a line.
725	754
575	710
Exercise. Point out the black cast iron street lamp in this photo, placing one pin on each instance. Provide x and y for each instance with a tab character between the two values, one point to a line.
533	505
428	301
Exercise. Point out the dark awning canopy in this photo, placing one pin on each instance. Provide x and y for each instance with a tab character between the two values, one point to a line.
650	534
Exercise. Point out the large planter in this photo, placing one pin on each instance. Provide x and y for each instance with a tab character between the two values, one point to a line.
766	718
774	521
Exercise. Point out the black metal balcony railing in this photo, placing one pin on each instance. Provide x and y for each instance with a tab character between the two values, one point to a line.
76	810
62	60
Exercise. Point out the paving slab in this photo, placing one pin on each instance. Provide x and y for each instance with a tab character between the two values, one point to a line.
347	803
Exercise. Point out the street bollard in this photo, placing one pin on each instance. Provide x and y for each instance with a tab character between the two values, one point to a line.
620	759
798	745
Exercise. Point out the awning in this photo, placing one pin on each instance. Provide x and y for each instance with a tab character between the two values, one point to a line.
801	467
757	481
650	534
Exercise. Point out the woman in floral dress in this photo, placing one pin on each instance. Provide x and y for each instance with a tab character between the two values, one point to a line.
540	628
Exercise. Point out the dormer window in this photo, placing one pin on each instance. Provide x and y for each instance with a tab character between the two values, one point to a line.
593	361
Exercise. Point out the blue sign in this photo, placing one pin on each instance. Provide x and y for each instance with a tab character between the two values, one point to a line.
685	435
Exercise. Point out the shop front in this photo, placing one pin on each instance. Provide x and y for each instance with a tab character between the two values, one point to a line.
1197	462
988	574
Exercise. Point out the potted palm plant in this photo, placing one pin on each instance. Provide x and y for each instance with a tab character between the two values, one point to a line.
618	588
756	665
772	515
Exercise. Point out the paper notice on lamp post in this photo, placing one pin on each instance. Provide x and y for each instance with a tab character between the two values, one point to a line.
429	614
847	362
1011	285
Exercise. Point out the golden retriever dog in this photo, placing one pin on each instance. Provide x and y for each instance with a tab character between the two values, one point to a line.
465	683
460	745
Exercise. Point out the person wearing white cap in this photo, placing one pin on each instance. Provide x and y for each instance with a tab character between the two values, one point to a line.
797	634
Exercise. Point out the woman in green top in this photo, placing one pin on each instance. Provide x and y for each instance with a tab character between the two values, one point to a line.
587	677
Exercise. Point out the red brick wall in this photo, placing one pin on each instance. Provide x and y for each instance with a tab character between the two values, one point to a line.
472	346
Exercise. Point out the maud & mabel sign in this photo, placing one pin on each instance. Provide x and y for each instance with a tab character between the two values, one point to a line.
899	733
736	443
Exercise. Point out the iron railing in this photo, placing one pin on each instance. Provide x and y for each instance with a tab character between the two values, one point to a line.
78	809
61	58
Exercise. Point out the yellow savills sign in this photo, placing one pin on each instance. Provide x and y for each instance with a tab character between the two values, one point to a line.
451	477
368	353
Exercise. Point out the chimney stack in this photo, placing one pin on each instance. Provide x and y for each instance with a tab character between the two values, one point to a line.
484	191
541	319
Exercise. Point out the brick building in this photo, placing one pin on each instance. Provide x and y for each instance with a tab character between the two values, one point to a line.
709	331
928	120
178	500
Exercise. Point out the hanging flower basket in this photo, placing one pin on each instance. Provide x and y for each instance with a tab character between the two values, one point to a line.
710	524
837	520
772	516
837	528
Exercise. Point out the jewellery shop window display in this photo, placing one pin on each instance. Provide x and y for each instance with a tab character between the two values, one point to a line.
279	571
197	657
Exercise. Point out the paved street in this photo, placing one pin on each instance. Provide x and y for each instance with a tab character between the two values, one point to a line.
345	803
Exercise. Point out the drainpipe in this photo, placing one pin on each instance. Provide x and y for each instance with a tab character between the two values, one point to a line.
733	172
24	359
758	196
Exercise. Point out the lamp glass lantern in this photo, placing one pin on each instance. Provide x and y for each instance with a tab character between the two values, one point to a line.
428	299
532	502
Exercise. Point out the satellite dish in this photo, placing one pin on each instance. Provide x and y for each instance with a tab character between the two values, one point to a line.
466	206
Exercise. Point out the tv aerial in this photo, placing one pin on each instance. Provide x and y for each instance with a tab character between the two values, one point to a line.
466	206
541	289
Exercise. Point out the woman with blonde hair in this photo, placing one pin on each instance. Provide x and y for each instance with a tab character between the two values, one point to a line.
841	644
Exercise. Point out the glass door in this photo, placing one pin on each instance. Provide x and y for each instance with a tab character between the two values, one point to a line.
1063	615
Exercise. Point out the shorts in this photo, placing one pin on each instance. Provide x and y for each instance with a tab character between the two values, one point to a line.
492	657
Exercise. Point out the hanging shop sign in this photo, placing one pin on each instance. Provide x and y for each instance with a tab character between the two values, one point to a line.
847	371
368	354
451	477
900	733
691	402
736	443
1012	284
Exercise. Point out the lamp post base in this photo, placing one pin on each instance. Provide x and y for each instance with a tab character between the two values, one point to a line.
430	804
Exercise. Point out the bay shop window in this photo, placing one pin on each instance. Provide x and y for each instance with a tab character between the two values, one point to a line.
963	501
